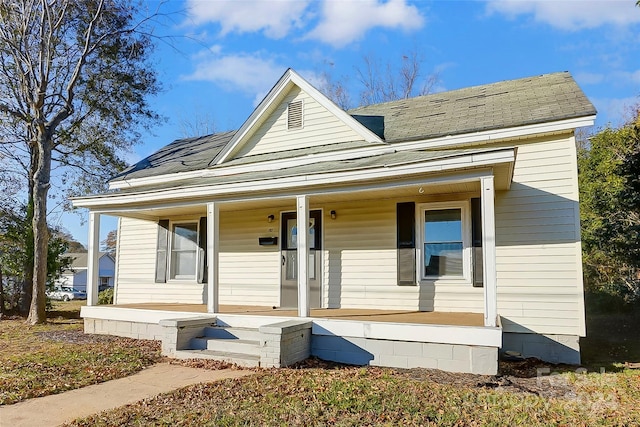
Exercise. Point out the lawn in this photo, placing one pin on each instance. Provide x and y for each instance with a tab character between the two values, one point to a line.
46	359
352	396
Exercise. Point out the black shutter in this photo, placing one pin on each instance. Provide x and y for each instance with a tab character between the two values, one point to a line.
406	242
476	242
161	251
202	251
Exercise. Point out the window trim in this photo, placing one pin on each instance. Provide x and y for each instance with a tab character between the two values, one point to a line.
170	275
465	212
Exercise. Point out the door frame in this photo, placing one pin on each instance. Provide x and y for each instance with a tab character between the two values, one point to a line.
320	257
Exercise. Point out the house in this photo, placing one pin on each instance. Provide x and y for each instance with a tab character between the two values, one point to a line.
437	231
76	275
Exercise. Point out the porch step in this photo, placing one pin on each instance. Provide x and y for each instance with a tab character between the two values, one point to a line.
236	346
248	360
221	332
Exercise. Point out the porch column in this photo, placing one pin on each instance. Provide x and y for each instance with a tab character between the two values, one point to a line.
93	248
303	255
489	250
213	248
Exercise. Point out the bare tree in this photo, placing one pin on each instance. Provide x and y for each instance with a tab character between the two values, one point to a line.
75	78
199	125
335	90
389	83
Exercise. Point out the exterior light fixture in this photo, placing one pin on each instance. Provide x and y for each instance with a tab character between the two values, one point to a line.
270	218
333	215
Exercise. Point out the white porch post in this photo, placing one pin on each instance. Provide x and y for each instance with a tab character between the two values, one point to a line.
489	251
213	248
93	249
303	255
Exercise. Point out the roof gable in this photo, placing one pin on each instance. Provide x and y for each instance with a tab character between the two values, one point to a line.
265	131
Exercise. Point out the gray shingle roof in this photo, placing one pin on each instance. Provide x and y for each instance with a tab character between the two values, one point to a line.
532	100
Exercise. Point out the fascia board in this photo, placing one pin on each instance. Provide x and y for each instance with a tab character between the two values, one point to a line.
305	181
434	143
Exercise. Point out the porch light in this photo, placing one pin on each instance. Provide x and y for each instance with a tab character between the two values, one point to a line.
333	215
270	218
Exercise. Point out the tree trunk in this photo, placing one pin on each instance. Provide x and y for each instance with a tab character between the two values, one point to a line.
1	295
24	301
42	175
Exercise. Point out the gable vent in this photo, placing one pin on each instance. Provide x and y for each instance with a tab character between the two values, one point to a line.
294	117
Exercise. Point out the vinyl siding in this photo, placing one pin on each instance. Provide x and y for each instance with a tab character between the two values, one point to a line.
320	127
360	258
136	268
538	262
249	274
538	242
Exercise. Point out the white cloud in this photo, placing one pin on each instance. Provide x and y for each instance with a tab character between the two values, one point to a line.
275	18
586	78
570	14
614	111
342	22
251	74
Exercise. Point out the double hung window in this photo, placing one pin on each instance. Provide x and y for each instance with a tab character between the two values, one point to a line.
445	241
184	250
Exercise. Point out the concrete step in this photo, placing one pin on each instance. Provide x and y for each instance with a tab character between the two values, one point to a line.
228	345
221	332
247	360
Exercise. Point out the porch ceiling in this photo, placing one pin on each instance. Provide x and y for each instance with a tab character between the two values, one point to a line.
365	315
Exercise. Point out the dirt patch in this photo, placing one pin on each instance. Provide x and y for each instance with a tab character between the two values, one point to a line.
520	377
74	337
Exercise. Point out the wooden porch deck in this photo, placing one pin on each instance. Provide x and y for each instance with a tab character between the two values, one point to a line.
366	315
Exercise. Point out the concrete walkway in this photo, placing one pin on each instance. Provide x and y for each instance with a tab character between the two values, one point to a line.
59	408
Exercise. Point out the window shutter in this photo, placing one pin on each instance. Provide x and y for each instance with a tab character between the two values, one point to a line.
161	251
202	251
406	242
476	242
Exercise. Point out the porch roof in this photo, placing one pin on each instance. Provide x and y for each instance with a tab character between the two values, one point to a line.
372	171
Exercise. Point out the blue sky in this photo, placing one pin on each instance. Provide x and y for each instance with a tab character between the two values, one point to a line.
224	56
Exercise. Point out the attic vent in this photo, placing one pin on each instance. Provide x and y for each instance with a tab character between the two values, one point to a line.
294	119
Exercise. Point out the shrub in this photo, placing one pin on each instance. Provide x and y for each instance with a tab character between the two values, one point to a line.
106	296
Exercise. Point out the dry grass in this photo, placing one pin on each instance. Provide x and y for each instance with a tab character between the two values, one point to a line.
51	358
47	359
352	396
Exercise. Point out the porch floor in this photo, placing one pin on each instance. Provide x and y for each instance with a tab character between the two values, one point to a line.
366	315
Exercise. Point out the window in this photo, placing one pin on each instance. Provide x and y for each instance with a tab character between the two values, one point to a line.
104	282
184	249
445	241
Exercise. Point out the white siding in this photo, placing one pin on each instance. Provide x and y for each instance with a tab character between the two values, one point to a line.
137	265
249	273
538	242
320	127
360	258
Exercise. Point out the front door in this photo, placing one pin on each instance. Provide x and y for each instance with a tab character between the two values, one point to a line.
289	244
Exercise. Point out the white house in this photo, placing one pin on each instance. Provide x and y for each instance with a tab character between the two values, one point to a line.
439	230
76	275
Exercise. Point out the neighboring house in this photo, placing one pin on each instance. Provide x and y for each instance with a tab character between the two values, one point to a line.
76	275
461	203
